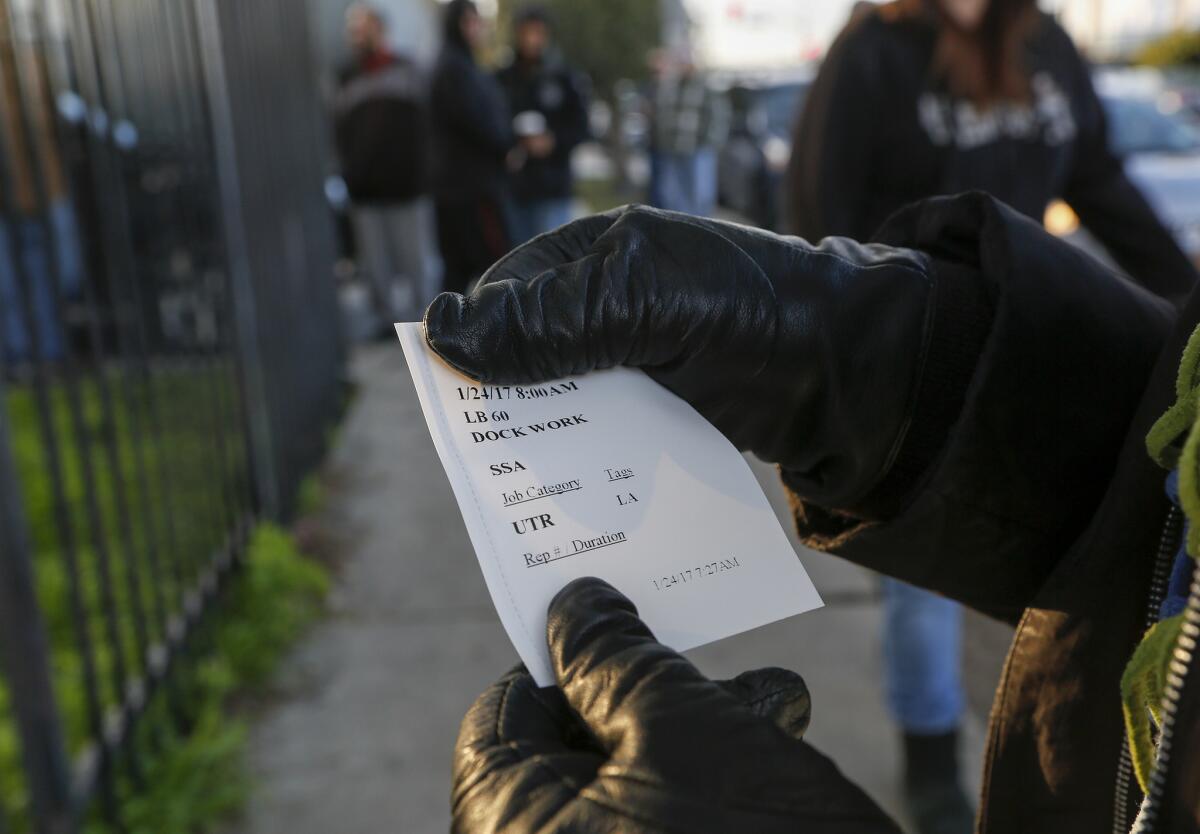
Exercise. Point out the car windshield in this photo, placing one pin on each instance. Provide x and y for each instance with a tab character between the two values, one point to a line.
1136	125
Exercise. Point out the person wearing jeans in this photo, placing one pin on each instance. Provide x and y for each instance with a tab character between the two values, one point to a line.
690	122
922	652
685	182
549	106
531	219
46	249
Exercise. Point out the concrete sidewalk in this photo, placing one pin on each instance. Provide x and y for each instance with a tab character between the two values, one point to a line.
361	737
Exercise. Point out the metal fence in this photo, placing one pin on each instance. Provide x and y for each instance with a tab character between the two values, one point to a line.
171	358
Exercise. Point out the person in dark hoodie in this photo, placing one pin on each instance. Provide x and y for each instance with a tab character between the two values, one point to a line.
472	138
549	106
923	97
968	404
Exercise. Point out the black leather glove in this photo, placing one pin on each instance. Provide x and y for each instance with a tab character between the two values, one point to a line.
636	740
807	356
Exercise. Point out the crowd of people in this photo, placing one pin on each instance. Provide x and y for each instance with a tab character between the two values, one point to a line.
476	161
480	162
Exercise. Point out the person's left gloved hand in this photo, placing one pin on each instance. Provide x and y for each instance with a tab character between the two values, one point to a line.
636	740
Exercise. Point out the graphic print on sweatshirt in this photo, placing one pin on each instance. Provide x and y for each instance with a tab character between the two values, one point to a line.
947	120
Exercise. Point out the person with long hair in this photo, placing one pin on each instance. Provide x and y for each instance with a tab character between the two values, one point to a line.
472	137
924	97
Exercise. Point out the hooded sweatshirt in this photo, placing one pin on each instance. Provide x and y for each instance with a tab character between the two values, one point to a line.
472	128
879	131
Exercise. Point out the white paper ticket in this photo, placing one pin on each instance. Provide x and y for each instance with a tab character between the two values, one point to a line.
607	475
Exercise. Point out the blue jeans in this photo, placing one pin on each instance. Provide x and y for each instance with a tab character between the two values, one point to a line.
684	182
26	239
922	651
531	218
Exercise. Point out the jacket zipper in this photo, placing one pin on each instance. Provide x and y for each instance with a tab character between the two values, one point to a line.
1168	546
1177	671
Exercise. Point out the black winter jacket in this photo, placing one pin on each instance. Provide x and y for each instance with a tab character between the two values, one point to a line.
556	92
472	129
1023	489
879	131
381	129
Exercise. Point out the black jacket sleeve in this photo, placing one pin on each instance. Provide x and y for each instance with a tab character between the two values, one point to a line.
1111	206
470	102
571	126
993	496
829	174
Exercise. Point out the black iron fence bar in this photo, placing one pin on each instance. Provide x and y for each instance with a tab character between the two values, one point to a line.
122	305
191	135
131	692
126	292
111	743
151	69
158	64
122	266
89	768
70	385
201	421
38	88
133	347
24	653
90	762
189	49
120	183
39	162
260	445
212	369
12	155
108	84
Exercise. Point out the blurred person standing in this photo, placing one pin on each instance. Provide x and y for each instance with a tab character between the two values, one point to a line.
549	107
41	250
381	130
924	97
473	136
689	121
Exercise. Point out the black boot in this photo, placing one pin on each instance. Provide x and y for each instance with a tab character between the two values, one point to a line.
936	800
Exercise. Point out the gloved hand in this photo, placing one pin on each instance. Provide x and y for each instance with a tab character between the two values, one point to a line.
636	740
807	356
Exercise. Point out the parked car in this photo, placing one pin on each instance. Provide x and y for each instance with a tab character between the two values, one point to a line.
751	163
1159	141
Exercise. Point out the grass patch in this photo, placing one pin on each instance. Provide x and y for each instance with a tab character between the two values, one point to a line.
310	496
168	447
196	779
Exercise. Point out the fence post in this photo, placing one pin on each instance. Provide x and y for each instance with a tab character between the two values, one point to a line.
241	276
25	654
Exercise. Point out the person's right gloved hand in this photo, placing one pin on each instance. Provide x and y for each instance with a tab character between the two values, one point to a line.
635	740
808	356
